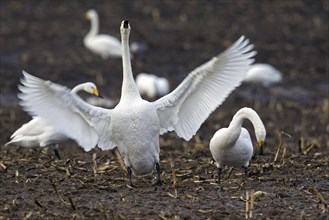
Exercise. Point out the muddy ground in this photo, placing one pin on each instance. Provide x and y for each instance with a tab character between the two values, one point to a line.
45	39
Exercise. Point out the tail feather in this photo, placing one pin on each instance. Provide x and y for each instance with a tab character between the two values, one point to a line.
24	141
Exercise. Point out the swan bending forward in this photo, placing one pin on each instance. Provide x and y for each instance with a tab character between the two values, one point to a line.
232	146
134	125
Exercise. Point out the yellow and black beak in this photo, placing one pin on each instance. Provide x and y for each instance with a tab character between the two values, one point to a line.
260	146
96	93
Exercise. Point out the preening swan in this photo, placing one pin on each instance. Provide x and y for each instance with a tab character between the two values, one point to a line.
264	74
38	133
152	86
233	146
134	125
100	44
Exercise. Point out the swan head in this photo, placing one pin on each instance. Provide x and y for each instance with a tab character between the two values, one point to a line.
125	27
90	14
260	135
91	88
260	131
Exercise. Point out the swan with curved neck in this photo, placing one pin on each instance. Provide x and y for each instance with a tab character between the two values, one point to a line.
100	44
134	125
232	145
38	133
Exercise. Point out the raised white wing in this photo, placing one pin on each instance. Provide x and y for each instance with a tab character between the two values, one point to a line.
67	112
204	89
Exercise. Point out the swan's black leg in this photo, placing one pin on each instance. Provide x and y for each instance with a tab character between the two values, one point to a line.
245	169
219	173
157	167
57	152
39	152
129	175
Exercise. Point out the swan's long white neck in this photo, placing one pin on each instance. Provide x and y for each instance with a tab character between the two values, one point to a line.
78	88
94	26
129	88
235	126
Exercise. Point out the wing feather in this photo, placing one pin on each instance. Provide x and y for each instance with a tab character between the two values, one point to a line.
86	124
204	89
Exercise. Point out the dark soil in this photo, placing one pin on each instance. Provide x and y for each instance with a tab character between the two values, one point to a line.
45	39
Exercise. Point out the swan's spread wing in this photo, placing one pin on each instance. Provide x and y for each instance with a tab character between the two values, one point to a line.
204	89
67	112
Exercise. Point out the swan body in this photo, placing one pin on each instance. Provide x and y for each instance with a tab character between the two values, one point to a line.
265	74
152	86
233	146
38	133
100	44
134	125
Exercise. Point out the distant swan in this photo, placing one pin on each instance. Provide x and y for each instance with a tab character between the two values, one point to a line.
152	86
264	74
38	133
100	44
134	125
233	146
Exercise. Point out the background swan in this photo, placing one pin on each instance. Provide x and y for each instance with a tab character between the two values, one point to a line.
152	86
134	125
105	102
38	133
100	44
264	74
232	145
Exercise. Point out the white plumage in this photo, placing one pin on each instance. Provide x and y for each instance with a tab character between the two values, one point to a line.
232	146
105	102
38	133
152	86
134	125
265	74
100	44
